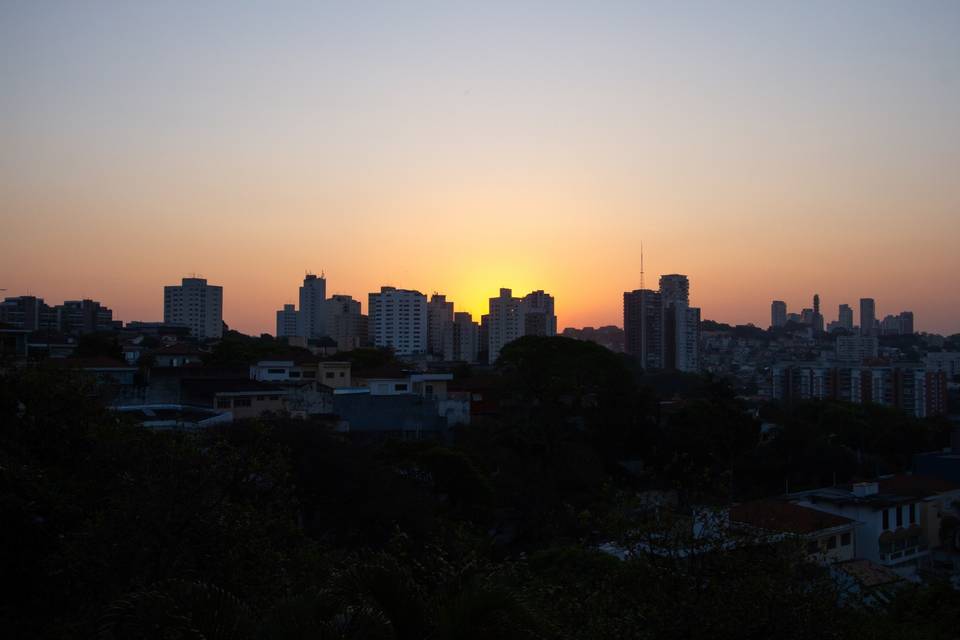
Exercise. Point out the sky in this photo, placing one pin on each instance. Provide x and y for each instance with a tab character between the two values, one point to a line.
768	150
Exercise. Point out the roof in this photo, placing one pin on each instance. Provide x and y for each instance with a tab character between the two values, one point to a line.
787	517
915	486
867	573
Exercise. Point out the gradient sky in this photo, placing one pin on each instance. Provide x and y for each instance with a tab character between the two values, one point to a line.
766	149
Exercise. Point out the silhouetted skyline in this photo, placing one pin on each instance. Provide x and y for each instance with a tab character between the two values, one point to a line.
765	149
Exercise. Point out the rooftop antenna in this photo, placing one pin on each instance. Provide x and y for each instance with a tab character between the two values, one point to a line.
641	265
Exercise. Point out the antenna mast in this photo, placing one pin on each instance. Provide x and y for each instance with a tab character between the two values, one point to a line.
641	264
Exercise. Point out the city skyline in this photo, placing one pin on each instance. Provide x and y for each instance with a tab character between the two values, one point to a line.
271	326
464	149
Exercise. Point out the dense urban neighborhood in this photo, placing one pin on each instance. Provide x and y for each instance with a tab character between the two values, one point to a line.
412	473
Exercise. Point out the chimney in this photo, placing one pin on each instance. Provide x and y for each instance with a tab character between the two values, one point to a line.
864	489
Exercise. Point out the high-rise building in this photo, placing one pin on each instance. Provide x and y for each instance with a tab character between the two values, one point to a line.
344	322
511	318
398	320
778	313
312	315
196	305
816	320
643	327
461	339
439	314
845	317
483	339
681	324
674	288
890	326
287	321
84	316
906	323
681	327
23	312
661	329
505	323
868	317
539	317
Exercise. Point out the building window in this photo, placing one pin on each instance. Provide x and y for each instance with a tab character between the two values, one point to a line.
276	371
241	402
899	516
400	387
223	403
328	375
845	540
832	542
294	374
886	519
913	514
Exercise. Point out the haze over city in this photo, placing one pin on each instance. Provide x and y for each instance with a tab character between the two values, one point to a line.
769	150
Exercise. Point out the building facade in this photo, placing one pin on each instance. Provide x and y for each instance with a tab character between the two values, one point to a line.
312	314
643	327
778	313
868	317
344	322
398	320
287	321
196	305
461	339
439	315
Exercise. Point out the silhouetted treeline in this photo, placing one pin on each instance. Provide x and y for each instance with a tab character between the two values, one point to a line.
280	528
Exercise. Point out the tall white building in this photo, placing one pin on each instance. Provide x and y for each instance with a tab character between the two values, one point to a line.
439	314
196	305
511	318
398	320
312	316
287	321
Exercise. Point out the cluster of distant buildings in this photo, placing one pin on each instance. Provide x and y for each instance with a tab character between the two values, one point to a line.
30	313
412	325
891	325
855	370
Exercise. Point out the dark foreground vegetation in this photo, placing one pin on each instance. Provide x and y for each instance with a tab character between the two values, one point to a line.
283	529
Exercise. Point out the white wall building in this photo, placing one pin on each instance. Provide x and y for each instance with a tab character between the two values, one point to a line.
196	305
398	320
